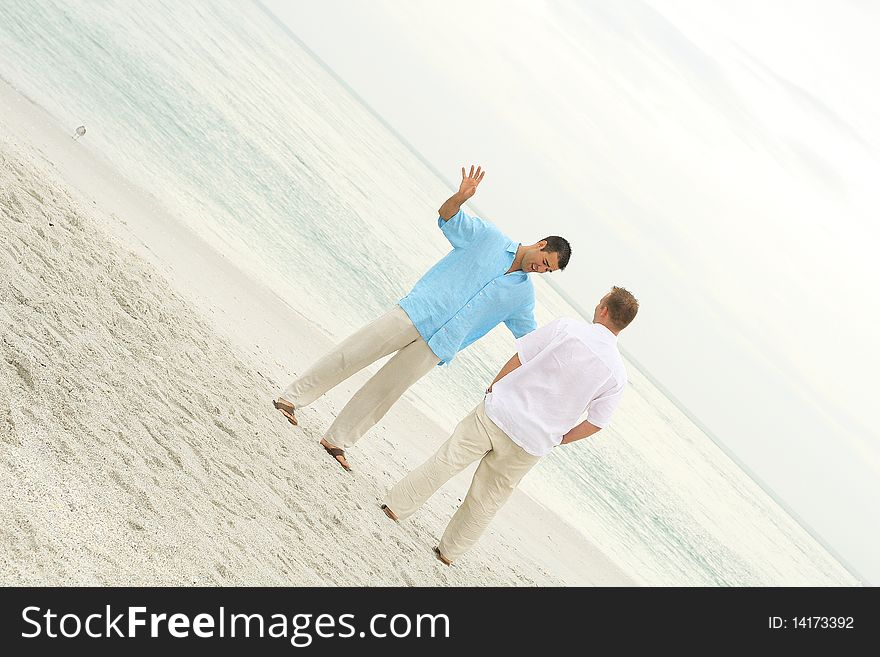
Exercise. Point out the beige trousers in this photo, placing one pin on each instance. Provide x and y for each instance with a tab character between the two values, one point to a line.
391	332
503	464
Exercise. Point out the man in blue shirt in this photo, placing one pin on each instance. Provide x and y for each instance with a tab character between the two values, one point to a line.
481	282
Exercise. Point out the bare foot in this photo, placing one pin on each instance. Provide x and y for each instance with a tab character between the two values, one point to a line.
337	453
389	512
286	409
440	556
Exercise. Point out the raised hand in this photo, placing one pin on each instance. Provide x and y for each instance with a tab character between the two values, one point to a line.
468	188
470	181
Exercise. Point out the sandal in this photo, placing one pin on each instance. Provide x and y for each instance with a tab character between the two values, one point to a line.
287	410
334	452
440	556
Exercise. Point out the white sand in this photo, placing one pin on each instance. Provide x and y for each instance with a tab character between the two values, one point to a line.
137	440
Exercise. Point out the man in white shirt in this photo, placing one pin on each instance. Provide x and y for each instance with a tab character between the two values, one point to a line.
560	372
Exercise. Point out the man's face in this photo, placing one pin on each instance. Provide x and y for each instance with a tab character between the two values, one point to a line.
598	312
538	261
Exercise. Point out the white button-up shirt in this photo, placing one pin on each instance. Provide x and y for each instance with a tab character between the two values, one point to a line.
569	368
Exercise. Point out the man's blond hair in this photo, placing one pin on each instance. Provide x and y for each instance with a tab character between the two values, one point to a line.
622	307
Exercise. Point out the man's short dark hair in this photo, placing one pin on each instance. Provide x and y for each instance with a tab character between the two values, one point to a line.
559	246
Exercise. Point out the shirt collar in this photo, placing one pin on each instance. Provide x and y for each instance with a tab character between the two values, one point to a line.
512	248
604	332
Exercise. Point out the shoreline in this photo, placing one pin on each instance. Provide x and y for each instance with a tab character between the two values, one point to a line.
204	483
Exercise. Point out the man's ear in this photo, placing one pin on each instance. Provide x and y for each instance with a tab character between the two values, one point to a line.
542	245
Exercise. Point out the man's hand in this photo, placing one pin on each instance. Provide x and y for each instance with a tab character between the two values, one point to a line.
468	188
470	181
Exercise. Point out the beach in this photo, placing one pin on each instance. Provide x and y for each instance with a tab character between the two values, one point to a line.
138	444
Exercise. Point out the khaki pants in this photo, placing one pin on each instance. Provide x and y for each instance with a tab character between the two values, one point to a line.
503	464
391	332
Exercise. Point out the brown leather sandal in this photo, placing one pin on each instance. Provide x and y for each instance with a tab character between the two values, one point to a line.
337	451
440	556
287	410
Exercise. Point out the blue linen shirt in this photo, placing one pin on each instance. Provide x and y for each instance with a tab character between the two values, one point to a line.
467	293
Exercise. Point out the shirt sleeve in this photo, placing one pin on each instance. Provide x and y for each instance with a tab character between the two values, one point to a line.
522	322
531	344
603	407
461	229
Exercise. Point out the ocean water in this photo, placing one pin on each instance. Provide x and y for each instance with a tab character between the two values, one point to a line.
248	139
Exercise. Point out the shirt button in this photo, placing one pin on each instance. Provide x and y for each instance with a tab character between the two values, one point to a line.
469	305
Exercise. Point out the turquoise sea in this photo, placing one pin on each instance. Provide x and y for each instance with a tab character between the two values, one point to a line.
251	141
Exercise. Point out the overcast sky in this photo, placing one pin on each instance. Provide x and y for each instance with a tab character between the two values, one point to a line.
719	159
